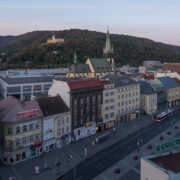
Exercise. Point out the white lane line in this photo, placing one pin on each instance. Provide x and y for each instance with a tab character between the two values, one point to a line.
131	167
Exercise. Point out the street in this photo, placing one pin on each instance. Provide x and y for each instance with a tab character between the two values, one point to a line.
99	162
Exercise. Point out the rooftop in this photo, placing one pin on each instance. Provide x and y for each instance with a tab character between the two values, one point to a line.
168	162
52	105
84	83
168	82
146	88
12	110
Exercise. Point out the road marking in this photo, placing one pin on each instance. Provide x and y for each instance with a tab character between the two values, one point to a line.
131	167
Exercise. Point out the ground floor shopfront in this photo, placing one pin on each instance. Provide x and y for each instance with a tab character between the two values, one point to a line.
122	119
84	131
64	140
109	124
22	154
49	145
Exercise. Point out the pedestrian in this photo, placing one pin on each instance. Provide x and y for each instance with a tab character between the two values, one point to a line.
41	155
36	170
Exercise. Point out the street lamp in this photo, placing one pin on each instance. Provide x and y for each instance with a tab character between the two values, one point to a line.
74	166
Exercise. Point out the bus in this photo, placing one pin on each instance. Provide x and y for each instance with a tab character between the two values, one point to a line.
163	115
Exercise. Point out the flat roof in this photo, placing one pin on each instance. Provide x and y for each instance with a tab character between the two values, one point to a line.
168	162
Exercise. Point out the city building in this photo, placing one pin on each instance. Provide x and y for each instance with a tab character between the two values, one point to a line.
21	130
151	64
109	115
163	167
54	40
95	67
148	98
168	73
172	90
127	101
173	67
84	98
24	83
161	91
56	122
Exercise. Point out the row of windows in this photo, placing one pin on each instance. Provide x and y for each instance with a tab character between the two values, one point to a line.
87	99
109	101
109	108
87	110
62	131
27	140
24	128
109	93
128	102
62	121
127	95
128	88
111	115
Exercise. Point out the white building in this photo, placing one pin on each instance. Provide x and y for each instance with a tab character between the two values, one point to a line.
23	83
168	73
109	115
164	167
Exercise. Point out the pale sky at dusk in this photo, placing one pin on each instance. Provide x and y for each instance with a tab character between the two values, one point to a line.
158	20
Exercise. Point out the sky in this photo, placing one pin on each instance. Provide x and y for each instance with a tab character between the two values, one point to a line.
158	20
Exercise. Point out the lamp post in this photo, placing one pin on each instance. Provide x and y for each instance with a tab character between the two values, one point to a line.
74	167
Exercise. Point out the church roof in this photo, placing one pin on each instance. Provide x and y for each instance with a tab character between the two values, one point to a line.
79	68
100	65
108	48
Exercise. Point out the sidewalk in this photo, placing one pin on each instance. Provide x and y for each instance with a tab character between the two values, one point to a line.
130	168
25	170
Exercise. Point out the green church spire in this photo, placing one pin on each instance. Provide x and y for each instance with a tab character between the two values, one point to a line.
108	49
75	58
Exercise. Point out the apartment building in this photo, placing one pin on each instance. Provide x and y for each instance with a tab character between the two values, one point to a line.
148	98
108	111
56	123
127	101
21	130
84	98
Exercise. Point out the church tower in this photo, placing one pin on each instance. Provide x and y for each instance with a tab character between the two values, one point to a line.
108	51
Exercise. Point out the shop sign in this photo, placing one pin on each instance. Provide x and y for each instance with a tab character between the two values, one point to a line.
27	113
52	141
26	88
13	138
48	129
89	124
37	88
168	145
34	146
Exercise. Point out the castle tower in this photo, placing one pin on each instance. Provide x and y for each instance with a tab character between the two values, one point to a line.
108	51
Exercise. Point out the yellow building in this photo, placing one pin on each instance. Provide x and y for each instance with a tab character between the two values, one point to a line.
53	40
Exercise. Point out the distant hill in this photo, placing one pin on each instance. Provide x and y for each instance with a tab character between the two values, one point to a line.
28	49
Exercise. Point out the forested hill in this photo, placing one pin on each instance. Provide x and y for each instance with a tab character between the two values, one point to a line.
28	49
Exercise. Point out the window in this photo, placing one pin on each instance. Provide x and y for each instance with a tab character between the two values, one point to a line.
87	119
37	125
99	97
93	108
123	96
112	115
122	103
87	99
63	130
75	123
93	117
81	121
17	142
106	101
106	94
112	100
119	104
129	94
67	129
67	120
112	93
37	136
59	122
75	102
24	128
17	130
81	112
62	120
93	98
31	127
106	116
8	131
111	107
8	144
106	108
24	140
59	132
31	139
81	101
119	97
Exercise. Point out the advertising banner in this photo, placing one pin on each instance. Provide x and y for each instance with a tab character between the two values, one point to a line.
48	129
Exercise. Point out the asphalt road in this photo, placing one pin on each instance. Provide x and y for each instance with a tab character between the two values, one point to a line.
104	159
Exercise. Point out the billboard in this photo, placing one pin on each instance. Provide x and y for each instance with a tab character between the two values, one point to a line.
48	129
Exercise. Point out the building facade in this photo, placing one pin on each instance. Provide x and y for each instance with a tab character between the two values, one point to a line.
148	98
54	40
84	98
56	123
21	130
127	101
109	115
